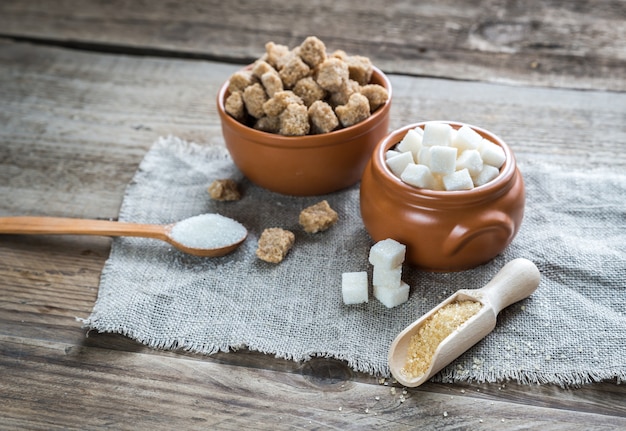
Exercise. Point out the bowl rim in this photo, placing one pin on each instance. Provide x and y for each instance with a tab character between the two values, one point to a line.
499	185
319	140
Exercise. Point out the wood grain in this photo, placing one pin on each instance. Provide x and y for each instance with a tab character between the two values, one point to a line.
76	123
557	43
55	378
160	390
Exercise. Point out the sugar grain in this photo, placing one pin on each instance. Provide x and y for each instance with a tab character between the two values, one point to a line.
208	231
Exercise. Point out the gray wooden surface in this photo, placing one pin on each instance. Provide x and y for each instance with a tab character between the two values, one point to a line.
86	87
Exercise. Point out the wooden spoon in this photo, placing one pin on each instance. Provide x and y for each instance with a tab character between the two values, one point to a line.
190	236
515	281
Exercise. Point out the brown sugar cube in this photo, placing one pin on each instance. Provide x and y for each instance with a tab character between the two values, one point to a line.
356	110
312	51
224	190
261	67
275	52
332	74
271	82
268	124
281	99
340	54
240	80
254	97
294	120
322	117
281	61
342	96
360	68
376	94
274	244
318	217
234	106
309	90
294	70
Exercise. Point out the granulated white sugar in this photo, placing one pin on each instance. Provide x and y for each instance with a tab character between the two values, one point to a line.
208	231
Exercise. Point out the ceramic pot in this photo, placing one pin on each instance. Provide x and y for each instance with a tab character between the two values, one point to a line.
305	165
443	230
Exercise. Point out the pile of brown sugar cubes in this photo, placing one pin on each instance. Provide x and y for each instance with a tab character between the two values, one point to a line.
304	90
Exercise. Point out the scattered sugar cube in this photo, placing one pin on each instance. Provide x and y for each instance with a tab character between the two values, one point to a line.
412	142
387	277
318	217
390	153
418	176
470	160
466	138
442	159
487	174
458	180
392	296
387	253
491	153
354	287
398	163
437	134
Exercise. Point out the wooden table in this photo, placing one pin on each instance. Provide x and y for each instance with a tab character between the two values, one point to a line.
86	87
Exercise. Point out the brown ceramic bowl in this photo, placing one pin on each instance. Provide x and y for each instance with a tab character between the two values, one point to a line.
443	230
305	165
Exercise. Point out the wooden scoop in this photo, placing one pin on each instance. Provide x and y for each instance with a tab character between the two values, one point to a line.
58	225
515	281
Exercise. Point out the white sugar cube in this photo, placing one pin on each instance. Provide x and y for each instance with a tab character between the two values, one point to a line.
411	142
418	176
437	134
466	138
419	130
423	158
470	160
387	254
390	153
487	174
354	287
442	159
392	296
399	162
387	277
491	153
459	180
438	183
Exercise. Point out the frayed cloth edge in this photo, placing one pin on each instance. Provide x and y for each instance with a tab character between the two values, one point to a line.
563	380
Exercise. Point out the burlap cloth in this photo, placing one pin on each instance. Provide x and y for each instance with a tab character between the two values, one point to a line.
571	331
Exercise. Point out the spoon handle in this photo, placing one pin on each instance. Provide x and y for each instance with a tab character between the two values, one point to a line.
517	280
58	225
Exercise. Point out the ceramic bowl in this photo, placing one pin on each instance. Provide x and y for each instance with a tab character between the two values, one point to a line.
305	165
443	230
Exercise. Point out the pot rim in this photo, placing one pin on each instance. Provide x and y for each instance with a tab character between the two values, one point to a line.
321	140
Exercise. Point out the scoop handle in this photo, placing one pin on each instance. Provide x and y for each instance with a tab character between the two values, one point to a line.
517	280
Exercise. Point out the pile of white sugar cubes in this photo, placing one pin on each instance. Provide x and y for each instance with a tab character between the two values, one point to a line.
387	257
439	157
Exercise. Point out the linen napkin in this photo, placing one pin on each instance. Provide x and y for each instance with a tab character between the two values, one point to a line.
571	331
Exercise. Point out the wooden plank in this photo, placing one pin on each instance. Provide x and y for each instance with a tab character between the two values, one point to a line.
572	44
75	127
48	282
56	386
77	124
